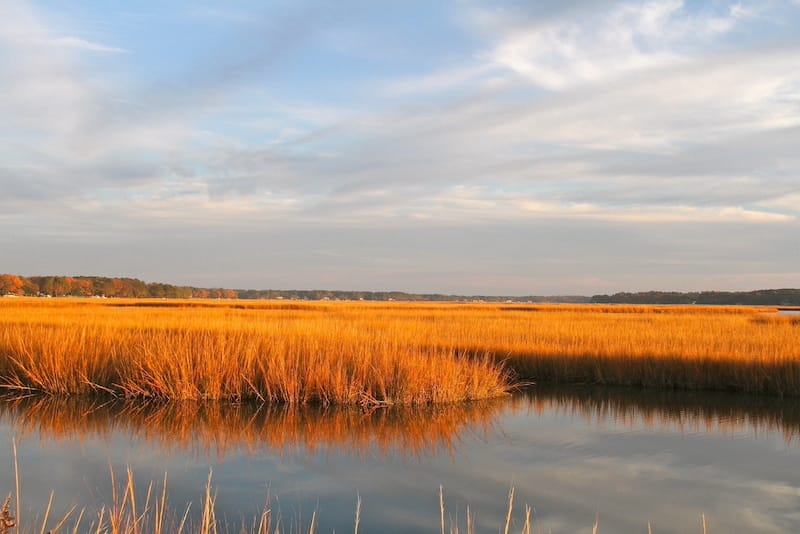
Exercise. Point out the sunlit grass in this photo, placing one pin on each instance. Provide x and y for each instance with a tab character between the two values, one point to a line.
299	357
384	353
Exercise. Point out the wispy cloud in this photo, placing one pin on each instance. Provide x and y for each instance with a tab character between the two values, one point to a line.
75	42
604	44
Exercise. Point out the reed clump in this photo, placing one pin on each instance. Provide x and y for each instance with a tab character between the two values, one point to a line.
384	353
222	353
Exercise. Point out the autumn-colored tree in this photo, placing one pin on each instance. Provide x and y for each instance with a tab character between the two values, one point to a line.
199	293
85	287
11	285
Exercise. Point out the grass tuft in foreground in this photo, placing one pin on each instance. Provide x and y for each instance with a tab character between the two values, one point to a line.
124	515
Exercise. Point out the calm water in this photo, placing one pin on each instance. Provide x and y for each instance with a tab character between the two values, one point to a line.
624	457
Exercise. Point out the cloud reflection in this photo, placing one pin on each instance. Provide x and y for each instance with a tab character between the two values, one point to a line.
631	455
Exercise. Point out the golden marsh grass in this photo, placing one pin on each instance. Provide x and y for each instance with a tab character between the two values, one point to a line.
388	353
300	357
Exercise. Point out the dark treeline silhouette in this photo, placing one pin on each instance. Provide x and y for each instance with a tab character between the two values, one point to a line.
761	297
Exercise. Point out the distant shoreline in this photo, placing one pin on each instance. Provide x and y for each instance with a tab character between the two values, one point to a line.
100	286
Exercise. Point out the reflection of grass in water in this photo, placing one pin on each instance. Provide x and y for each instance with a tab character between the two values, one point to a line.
660	410
218	427
206	428
222	427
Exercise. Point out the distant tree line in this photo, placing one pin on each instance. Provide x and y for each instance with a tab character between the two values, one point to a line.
100	286
383	296
761	297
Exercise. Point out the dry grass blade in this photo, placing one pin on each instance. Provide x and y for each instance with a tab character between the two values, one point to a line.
358	514
101	522
130	494
264	522
185	517
63	521
510	509
209	521
313	528
77	524
441	506
160	508
47	513
18	485
526	529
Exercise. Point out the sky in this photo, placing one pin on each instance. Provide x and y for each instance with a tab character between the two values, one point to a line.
503	148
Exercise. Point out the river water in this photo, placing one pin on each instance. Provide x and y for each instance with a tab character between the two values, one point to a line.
621	457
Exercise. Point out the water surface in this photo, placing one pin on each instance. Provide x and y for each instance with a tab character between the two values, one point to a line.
622	457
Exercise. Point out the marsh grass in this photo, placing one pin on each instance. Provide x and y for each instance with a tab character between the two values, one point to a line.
377	354
220	353
155	515
124	515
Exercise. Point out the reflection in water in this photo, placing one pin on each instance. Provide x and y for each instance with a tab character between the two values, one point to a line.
205	428
214	428
629	456
684	411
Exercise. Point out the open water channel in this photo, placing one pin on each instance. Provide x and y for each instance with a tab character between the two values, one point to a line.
621	457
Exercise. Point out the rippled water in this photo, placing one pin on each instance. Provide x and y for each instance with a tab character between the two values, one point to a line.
621	457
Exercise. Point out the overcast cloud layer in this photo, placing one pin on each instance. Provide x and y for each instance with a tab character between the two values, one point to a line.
557	147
